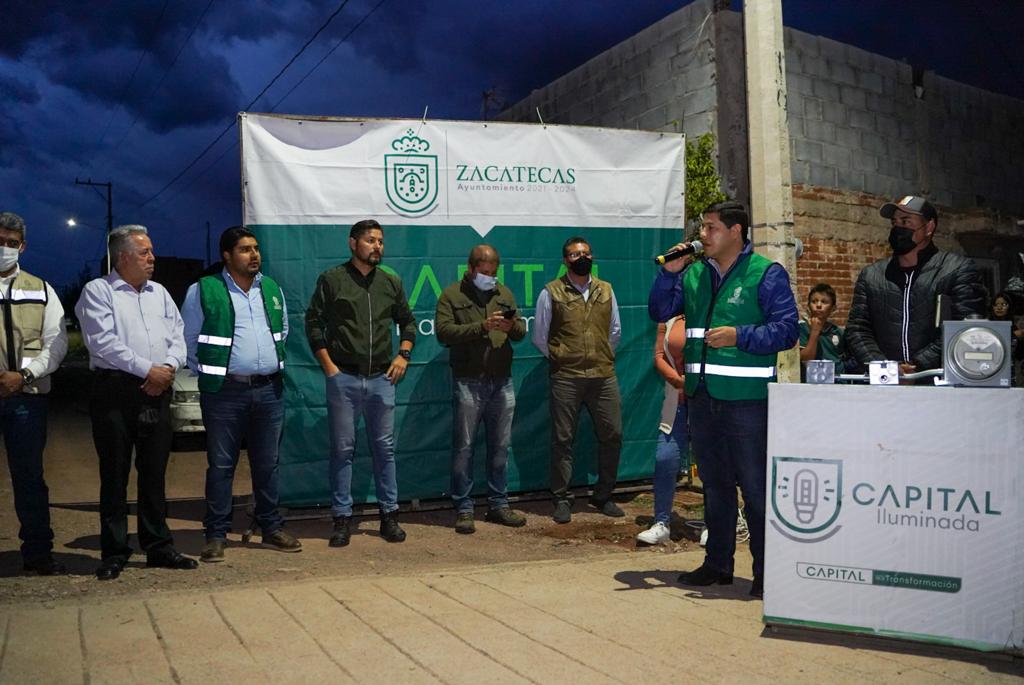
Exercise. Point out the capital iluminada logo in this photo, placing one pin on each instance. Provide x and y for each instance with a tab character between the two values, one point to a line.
410	176
806	497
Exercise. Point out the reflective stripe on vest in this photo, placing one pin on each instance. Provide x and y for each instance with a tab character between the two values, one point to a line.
734	371
213	370
215	340
695	332
18	295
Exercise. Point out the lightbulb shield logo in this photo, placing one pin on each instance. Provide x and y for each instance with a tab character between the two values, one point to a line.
410	176
806	497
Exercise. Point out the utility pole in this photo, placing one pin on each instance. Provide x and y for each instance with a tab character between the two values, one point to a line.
110	210
771	184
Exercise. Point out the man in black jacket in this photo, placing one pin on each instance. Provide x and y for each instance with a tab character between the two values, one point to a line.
349	321
893	315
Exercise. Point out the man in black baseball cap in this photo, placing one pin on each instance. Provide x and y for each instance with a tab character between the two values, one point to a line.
893	315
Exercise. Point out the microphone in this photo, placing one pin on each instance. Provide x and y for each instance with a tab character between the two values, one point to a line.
695	246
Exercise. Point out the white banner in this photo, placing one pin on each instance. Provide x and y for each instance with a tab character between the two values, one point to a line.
897	511
331	171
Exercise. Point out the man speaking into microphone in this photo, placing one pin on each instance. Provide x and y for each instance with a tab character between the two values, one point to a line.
740	312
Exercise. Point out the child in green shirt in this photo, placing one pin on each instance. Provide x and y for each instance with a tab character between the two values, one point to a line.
819	337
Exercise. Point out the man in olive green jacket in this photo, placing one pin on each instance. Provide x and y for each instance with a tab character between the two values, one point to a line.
576	326
477	320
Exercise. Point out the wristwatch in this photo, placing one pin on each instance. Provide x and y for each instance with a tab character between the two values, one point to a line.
27	376
405	354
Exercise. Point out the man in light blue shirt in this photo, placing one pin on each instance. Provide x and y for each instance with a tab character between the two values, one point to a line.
236	324
133	332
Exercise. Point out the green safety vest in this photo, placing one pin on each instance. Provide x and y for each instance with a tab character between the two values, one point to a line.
728	373
217	334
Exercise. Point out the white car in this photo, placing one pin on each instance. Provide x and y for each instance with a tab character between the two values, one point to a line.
186	416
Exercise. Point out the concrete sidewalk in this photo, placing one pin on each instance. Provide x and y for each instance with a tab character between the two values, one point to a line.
610	619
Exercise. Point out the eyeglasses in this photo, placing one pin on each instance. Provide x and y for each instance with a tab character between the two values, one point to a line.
579	253
10	242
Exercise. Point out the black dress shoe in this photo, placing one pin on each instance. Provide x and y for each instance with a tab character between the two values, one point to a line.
110	568
705	575
171	559
757	588
45	566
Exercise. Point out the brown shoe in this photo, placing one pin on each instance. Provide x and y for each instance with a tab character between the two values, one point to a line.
282	541
213	550
464	523
505	517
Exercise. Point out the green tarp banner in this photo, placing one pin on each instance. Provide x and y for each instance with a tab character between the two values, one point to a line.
526	189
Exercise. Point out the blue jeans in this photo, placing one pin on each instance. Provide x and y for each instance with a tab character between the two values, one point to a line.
239	411
372	397
23	423
671	448
493	401
730	439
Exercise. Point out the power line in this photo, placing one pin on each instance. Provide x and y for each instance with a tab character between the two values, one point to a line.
138	63
163	77
258	96
330	52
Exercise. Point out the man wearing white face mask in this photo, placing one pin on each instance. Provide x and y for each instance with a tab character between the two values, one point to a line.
32	344
477	319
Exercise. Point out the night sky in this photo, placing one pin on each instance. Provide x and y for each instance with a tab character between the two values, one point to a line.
133	91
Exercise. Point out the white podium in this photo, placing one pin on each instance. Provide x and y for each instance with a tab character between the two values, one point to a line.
897	511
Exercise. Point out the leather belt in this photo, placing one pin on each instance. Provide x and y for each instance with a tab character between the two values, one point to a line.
253	380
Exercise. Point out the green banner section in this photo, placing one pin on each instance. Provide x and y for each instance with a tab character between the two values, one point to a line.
428	259
916	581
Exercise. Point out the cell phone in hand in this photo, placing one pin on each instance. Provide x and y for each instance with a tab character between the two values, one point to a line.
509	313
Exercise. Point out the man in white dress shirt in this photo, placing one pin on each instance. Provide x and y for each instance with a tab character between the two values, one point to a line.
135	338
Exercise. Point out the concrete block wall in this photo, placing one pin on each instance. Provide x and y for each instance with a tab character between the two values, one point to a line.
846	107
856	124
661	79
975	145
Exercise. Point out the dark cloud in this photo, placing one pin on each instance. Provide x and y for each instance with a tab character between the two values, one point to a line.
15	91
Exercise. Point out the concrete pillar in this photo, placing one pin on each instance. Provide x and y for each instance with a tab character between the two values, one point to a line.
771	192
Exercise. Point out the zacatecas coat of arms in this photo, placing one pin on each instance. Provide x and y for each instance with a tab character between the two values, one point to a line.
410	176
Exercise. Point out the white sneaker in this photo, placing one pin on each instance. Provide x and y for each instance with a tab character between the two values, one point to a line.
655	535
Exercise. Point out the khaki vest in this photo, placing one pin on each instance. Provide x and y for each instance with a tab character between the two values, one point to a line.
28	298
578	342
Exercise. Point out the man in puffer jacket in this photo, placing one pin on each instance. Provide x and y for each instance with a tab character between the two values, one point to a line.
893	315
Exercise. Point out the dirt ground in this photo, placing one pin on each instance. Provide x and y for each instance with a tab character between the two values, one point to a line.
432	544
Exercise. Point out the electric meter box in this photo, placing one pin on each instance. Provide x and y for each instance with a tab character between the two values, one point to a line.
976	352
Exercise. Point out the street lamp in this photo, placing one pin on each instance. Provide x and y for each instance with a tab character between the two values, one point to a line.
72	222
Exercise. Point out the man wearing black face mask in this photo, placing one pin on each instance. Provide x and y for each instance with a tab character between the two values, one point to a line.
894	301
576	326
